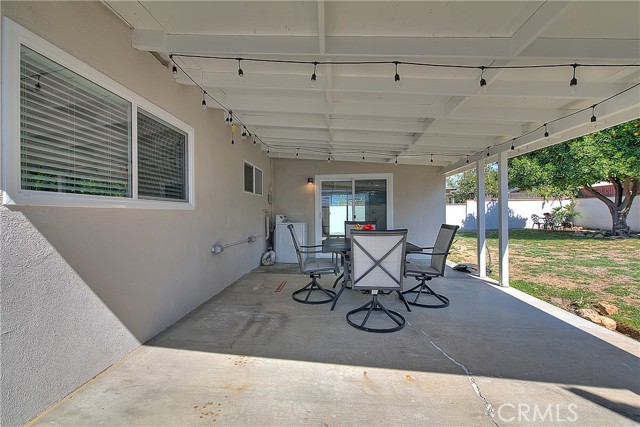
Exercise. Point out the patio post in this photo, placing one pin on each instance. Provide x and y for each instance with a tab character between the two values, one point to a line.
481	222
503	217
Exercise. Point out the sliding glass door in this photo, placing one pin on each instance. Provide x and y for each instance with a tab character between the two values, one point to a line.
351	198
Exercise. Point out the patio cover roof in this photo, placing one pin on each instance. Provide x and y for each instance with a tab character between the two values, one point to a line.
356	111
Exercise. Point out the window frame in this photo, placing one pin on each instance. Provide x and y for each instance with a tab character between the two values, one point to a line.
13	37
253	168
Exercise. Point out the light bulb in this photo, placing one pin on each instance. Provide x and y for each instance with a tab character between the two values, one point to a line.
574	81
240	72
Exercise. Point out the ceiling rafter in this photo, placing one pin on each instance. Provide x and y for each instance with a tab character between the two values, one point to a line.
433	110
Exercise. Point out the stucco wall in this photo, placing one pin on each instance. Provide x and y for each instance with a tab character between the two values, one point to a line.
82	287
596	215
520	211
418	193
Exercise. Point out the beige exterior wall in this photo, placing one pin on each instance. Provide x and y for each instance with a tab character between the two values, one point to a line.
82	287
418	193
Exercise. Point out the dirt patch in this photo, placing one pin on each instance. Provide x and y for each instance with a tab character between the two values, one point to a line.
628	331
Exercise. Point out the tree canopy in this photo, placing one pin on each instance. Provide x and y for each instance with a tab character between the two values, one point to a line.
611	155
466	186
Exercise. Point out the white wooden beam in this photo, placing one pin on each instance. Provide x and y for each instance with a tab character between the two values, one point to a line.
503	218
546	15
391	47
481	220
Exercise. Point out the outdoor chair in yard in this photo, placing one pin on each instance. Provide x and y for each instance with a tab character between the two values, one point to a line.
536	221
423	272
377	265
313	268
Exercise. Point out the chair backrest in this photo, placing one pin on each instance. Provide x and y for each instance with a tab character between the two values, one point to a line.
377	259
443	244
349	226
296	245
535	218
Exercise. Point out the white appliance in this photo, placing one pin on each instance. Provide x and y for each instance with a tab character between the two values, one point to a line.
285	251
280	219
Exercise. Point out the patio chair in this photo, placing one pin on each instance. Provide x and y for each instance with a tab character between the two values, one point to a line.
313	268
424	272
536	221
377	265
349	226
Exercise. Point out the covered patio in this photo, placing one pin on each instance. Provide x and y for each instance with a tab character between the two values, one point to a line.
253	356
131	201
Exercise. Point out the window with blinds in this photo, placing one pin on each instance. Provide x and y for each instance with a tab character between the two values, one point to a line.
161	159
75	136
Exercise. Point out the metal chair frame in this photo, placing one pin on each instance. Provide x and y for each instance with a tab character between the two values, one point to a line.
313	285
422	289
375	305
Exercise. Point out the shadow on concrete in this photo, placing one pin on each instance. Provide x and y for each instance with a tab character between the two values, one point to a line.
491	218
489	332
629	411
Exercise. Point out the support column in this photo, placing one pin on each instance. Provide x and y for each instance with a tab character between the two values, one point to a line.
481	221
503	218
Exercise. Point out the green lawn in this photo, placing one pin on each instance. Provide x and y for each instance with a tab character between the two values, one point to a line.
568	271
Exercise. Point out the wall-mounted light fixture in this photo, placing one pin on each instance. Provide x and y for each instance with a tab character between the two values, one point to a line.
309	180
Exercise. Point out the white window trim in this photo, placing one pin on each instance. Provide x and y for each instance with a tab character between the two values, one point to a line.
245	162
13	36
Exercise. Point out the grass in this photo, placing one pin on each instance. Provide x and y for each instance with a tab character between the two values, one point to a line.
568	271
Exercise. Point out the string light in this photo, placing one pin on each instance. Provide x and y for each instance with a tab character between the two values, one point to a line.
363	155
574	81
513	141
240	72
38	87
254	140
483	82
593	113
329	158
204	101
244	132
546	133
432	158
313	76
397	76
298	152
233	131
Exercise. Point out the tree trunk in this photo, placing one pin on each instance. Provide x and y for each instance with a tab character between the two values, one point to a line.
621	204
620	227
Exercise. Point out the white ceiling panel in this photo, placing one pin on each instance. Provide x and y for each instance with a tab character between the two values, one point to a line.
438	107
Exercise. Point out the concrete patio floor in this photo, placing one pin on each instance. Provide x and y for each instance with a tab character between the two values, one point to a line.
251	356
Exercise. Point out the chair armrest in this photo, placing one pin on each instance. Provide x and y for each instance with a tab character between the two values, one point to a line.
309	251
310	246
427	253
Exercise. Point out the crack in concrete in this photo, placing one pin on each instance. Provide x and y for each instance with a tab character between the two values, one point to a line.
488	409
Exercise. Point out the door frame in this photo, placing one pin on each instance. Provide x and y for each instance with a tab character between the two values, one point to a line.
319	179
